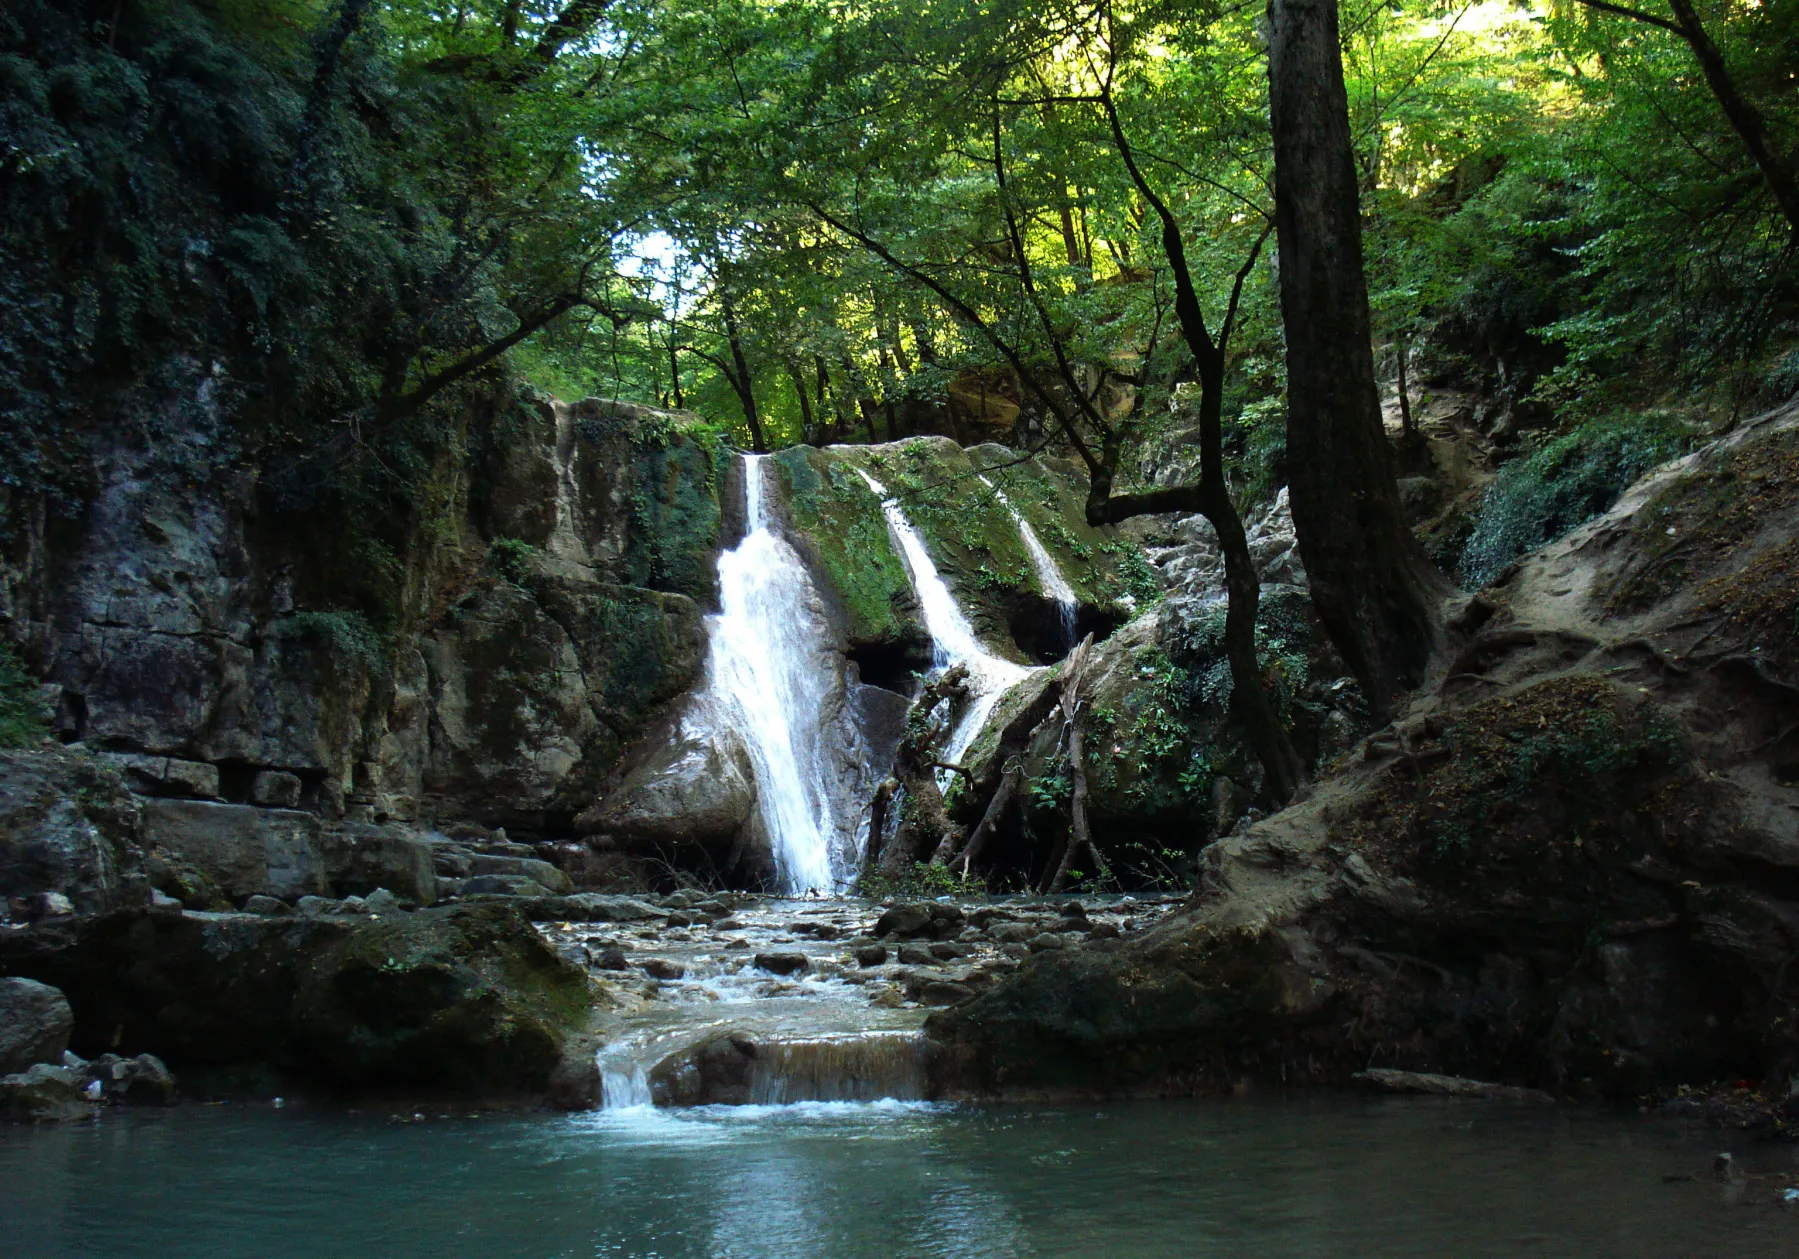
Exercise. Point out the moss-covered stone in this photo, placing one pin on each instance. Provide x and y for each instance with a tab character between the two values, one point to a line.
842	529
468	998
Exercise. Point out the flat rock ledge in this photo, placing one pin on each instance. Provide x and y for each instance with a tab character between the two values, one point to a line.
1388	1080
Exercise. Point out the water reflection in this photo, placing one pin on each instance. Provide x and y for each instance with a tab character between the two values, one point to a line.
1311	1176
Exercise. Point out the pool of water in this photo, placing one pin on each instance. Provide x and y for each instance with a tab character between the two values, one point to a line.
1314	1175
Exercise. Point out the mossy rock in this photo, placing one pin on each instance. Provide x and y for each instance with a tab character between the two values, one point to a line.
468	998
843	532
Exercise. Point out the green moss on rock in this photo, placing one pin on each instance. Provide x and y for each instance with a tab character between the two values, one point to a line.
840	522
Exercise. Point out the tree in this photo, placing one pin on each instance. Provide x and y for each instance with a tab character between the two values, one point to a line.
1374	590
1745	118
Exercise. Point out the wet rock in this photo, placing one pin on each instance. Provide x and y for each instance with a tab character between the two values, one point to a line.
1046	943
916	955
662	968
612	958
920	919
139	1081
469	997
1388	1080
783	963
871	955
260	904
35	1022
738	943
381	901
44	1093
1104	931
1015	932
504	885
1071	924
947	952
987	915
942	992
717	1072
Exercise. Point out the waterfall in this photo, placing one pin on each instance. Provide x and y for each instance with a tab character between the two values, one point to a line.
1049	575
765	663
952	637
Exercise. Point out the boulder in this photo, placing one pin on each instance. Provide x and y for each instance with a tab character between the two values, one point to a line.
662	968
241	850
920	919
44	1093
542	873
783	963
871	955
716	1072
139	1081
360	858
468	998
697	788
35	1022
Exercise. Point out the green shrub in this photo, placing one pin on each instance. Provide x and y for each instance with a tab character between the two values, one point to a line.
23	719
346	633
1569	480
511	558
922	882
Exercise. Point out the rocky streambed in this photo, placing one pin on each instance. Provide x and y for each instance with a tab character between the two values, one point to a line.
734	998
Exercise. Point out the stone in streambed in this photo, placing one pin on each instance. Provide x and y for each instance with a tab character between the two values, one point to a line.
919	919
35	1023
662	968
942	992
260	904
783	963
140	1081
871	955
916	955
44	1092
1046	942
612	959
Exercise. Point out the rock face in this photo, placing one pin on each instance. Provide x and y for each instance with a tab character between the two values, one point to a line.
68	825
465	998
35	1022
550	612
1566	866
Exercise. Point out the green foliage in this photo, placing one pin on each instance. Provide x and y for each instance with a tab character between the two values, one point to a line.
24	718
347	634
512	559
922	882
1568	480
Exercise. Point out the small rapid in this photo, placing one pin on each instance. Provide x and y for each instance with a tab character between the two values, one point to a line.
952	637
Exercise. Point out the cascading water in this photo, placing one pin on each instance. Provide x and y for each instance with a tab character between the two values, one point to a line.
952	637
764	664
1049	574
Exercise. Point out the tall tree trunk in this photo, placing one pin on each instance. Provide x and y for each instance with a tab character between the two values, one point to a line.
807	433
1374	589
1402	352
740	380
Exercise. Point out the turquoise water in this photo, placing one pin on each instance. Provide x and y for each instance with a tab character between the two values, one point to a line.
1309	1176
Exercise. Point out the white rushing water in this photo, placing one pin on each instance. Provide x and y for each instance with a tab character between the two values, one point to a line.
1049	574
765	663
953	638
